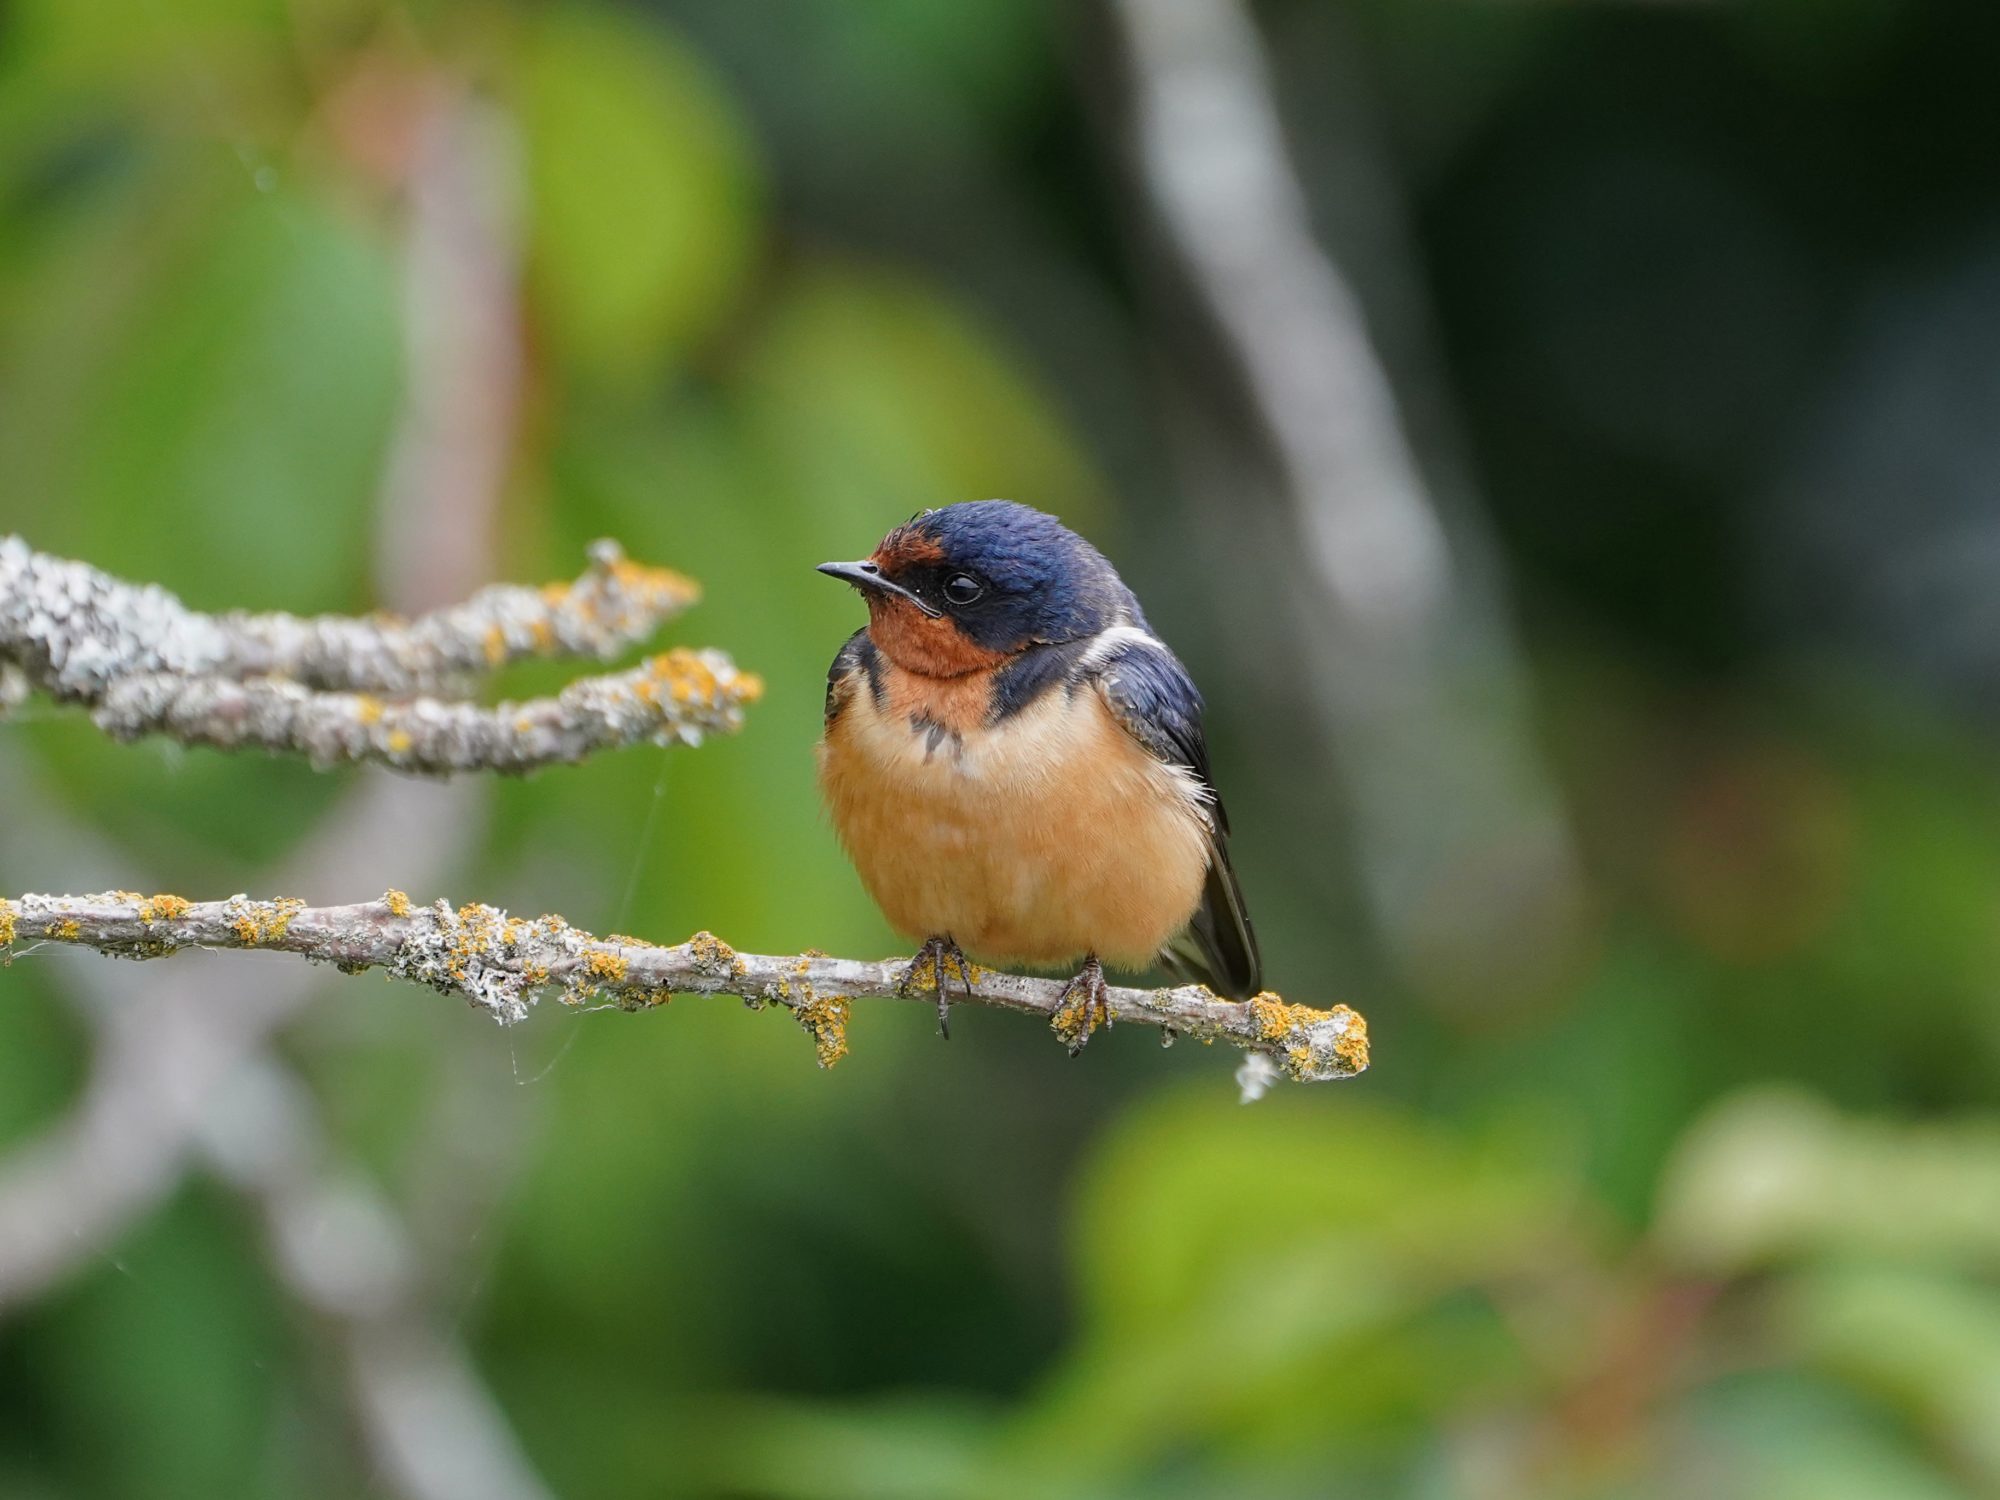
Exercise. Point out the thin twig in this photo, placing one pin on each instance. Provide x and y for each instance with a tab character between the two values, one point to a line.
503	964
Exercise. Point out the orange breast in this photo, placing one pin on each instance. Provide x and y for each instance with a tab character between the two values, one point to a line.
1051	836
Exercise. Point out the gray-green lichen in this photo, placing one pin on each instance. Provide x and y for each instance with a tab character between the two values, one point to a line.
495	961
503	965
340	690
75	630
678	698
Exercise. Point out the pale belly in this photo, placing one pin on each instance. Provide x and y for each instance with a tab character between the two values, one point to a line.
1055	836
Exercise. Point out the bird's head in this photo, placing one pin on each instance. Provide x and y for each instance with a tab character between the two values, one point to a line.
963	588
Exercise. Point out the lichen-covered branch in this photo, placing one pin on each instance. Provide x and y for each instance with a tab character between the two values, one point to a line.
675	698
337	689
75	630
504	964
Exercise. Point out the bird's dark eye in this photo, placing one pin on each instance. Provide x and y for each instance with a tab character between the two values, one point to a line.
963	588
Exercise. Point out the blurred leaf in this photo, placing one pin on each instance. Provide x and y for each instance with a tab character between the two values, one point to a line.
1772	1175
1240	1268
170	1351
1781	1437
1286	1282
1926	877
643	189
896	1449
874	396
42	1055
223	438
227	439
1625	1074
57	43
1928	1343
1189	1202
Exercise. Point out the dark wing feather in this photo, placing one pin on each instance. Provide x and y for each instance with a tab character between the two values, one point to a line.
856	657
1152	696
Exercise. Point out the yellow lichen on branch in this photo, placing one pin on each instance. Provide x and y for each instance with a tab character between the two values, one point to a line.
258	922
1076	1020
1351	1050
601	968
1309	1040
663	588
339	689
711	952
503	965
163	908
682	676
826	1022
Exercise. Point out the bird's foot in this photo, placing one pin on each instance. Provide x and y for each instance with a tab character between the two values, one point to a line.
927	970
1085	1005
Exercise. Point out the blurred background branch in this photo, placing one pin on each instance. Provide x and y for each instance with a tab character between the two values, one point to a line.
1451	807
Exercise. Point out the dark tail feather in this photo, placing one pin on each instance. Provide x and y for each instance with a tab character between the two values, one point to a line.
1219	947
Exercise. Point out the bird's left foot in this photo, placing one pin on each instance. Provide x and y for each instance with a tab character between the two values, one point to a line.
937	951
1086	1005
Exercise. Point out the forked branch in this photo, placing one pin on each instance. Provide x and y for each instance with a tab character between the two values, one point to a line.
339	689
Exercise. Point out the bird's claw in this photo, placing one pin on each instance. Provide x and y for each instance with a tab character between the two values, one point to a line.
1085	1005
929	964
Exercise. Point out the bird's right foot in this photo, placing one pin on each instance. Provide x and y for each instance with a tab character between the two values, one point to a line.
927	970
1085	1005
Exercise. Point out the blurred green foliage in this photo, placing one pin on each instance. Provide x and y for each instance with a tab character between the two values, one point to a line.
1710	1207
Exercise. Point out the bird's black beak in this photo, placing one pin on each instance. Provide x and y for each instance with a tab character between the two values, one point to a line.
866	575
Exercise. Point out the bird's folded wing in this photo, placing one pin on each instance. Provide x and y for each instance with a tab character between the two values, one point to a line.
1150	693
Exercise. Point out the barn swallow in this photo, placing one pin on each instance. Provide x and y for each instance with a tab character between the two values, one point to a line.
1016	764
